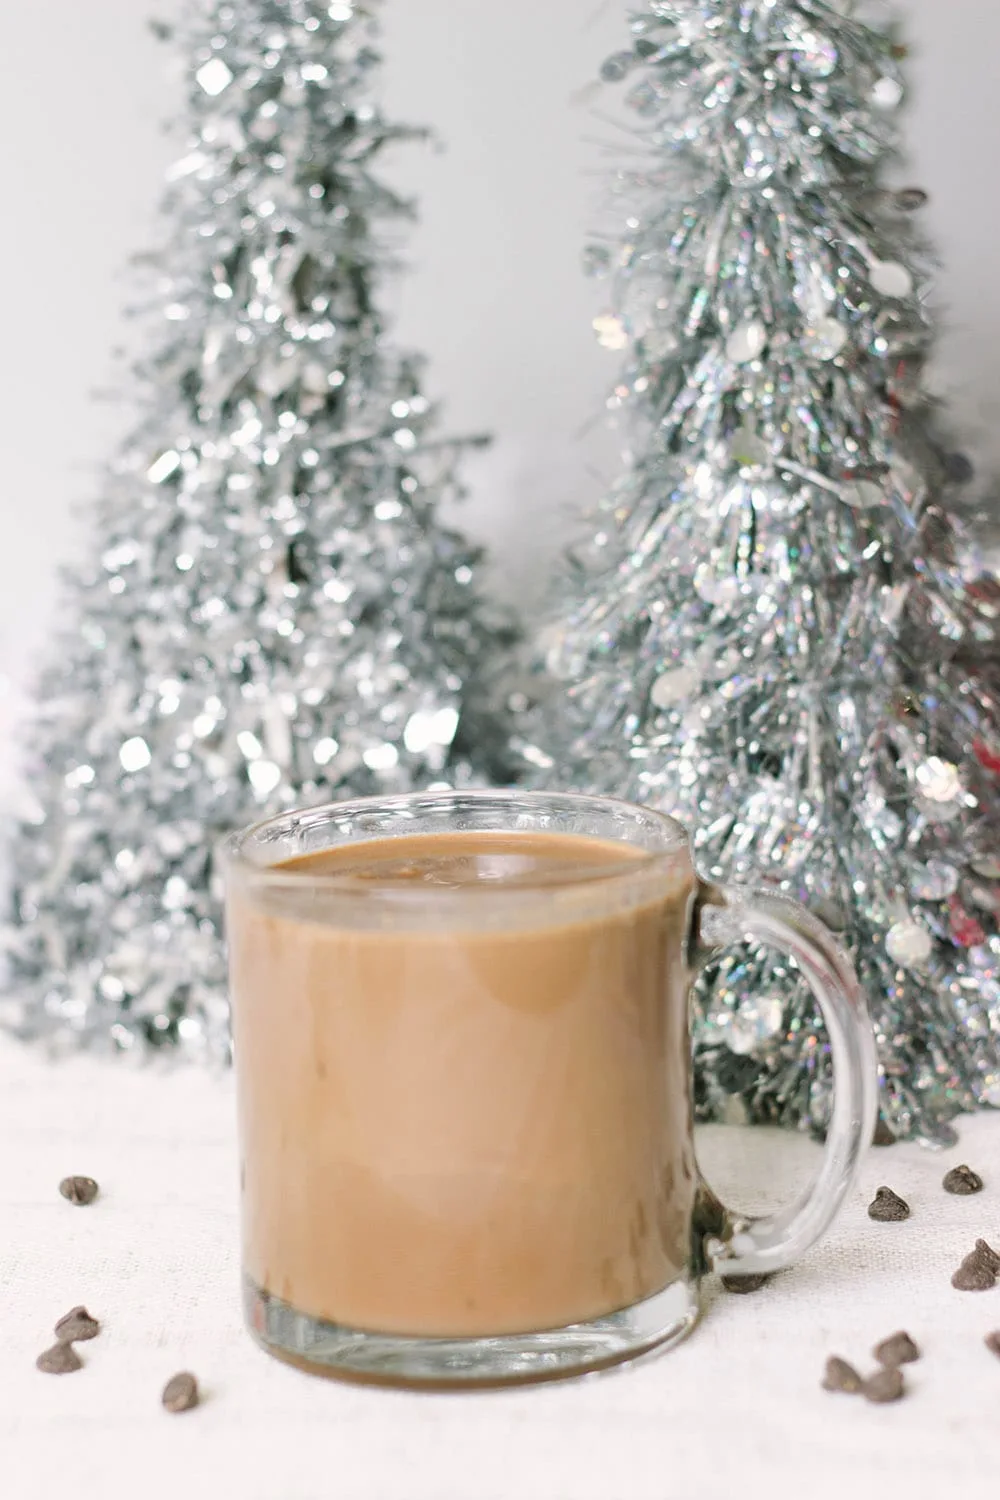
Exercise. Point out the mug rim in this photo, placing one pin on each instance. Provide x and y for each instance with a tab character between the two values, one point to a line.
234	860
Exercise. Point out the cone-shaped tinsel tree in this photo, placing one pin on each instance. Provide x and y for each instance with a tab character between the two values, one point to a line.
770	630
274	614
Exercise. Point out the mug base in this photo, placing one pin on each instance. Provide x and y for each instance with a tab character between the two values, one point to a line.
353	1354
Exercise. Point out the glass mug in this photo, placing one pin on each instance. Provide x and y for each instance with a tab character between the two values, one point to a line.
464	1084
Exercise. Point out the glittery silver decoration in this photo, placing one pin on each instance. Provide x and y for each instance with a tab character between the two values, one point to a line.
934	881
864	495
274	613
610	330
674	687
747	449
886	92
890	278
753	1023
778	637
747	341
908	943
824	339
814	54
938	780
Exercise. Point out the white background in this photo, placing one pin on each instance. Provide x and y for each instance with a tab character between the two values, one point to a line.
494	296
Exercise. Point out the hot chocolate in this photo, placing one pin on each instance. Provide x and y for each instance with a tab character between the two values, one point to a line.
471	1117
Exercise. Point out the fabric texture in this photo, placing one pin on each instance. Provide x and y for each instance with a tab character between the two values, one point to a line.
737	1409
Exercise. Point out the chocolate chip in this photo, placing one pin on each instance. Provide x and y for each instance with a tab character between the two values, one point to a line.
76	1326
888	1207
840	1376
180	1392
992	1342
884	1385
974	1275
79	1190
898	1349
962	1180
751	1283
883	1135
61	1359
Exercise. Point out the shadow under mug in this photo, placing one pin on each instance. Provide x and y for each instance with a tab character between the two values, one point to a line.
465	1115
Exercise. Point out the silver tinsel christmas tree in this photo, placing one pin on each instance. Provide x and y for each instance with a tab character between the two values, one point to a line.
274	614
771	629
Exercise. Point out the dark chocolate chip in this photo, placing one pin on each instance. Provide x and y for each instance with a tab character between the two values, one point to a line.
963	1181
751	1283
884	1385
79	1190
76	1326
180	1392
992	1342
898	1349
61	1359
883	1135
840	1376
974	1275
888	1207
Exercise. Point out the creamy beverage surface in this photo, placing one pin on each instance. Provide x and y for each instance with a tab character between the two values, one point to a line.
463	1080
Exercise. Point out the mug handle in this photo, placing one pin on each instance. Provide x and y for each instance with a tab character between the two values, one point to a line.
737	1244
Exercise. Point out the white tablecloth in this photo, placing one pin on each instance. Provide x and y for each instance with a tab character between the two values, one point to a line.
737	1410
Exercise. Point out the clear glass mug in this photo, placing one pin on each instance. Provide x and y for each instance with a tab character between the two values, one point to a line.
465	1106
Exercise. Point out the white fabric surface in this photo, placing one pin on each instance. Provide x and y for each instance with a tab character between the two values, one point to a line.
737	1409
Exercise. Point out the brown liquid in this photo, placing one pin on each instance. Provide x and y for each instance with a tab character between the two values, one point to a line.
480	1126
